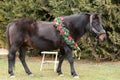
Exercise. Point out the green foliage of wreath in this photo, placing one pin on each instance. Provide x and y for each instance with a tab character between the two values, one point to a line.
64	32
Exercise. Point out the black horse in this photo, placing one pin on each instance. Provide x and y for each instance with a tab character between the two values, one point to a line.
44	37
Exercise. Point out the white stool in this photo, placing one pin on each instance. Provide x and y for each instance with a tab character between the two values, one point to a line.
3	51
49	61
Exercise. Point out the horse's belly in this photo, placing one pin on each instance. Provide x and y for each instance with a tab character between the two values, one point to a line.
42	44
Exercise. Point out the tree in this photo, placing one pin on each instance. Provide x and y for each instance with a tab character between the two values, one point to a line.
49	9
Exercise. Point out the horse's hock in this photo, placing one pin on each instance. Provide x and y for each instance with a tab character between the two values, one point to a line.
55	61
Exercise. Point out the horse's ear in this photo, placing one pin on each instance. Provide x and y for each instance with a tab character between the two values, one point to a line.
96	15
87	14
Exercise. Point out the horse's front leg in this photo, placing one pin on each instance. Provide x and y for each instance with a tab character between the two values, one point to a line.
68	52
22	51
61	58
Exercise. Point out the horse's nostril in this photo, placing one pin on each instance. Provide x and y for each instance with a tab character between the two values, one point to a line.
102	37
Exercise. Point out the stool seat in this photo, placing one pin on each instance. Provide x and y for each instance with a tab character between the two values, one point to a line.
3	51
55	61
47	52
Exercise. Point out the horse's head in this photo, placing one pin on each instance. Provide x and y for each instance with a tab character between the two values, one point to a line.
95	26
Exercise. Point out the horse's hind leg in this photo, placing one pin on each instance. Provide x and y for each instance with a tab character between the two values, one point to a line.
11	59
22	51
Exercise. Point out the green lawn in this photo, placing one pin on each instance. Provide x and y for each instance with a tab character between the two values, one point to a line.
86	70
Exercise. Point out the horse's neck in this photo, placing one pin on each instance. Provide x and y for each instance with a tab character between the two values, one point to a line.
76	26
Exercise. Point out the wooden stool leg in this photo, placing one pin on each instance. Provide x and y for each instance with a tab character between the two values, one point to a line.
55	65
42	62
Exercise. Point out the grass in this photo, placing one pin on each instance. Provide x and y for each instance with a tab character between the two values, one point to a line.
86	70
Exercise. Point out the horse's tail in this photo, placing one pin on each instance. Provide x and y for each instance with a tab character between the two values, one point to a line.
8	40
7	35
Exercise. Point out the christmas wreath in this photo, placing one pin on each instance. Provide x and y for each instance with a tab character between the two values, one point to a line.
64	32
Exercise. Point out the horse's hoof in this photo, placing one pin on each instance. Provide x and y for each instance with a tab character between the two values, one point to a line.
31	75
12	76
61	75
76	77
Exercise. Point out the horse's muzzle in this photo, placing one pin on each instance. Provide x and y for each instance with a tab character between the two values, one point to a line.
102	37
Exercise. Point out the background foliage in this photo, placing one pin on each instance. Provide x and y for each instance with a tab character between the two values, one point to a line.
49	9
